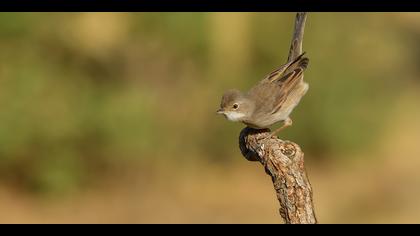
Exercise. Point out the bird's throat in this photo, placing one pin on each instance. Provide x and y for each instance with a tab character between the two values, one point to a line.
234	116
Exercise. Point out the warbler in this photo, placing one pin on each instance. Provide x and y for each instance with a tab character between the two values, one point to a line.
271	100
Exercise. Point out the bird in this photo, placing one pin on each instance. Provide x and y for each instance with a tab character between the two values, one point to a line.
271	100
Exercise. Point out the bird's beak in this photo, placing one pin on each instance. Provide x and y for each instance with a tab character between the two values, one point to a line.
220	111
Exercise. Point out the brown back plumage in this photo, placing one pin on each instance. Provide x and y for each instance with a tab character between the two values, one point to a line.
284	71
274	88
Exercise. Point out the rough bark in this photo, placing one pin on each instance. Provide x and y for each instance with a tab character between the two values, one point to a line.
284	160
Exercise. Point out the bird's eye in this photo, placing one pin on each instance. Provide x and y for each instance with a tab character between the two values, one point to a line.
235	106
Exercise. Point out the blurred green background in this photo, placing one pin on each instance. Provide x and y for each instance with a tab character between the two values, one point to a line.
110	117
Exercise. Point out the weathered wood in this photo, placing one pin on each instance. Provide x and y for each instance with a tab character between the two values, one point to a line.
284	160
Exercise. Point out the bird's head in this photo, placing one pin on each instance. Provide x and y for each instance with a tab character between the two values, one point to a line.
235	106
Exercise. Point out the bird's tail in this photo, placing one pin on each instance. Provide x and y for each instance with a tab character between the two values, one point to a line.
299	61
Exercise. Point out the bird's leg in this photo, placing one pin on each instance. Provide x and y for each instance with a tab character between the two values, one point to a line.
288	122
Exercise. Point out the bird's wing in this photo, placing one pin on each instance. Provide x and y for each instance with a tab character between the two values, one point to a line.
275	87
286	85
286	69
286	79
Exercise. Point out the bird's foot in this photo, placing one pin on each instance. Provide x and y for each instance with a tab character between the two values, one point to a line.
288	122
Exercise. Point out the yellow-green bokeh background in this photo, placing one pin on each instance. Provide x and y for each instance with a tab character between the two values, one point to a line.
110	117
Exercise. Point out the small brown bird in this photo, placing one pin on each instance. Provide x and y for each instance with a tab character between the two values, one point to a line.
271	100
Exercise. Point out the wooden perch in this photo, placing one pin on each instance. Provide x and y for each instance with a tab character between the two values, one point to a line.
283	160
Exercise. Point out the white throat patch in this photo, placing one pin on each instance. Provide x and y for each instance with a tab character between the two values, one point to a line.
234	116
